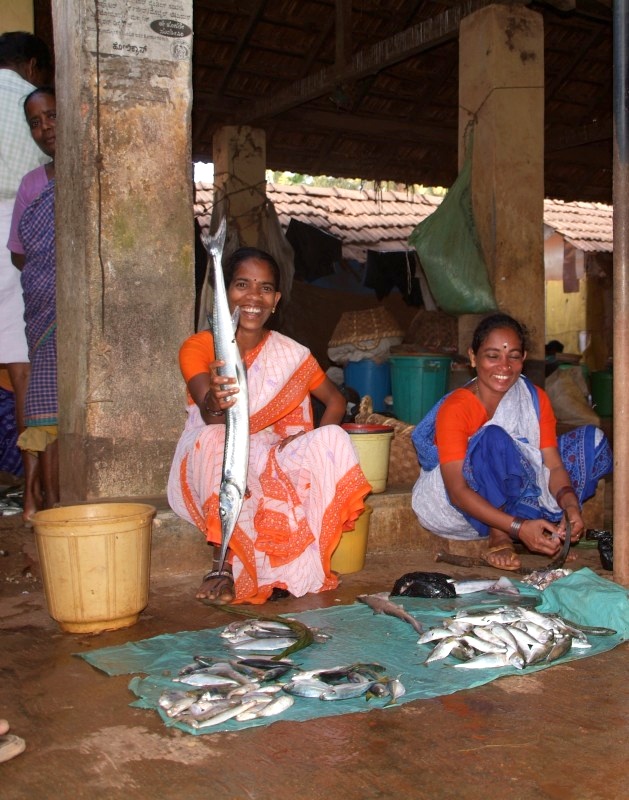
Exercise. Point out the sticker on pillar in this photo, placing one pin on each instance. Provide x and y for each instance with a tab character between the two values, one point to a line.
170	27
130	30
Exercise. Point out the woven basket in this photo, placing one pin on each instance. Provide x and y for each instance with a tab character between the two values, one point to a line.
365	328
403	463
433	331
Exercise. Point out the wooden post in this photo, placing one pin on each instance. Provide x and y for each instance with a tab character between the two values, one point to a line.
501	97
125	242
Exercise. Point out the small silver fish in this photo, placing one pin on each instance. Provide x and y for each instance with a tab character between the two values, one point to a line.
264	645
501	586
306	688
346	691
493	660
223	716
277	706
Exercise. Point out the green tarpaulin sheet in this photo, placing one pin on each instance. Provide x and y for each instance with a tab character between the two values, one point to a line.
357	635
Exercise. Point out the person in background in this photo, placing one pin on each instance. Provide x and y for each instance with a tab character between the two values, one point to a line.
492	466
25	63
32	244
305	485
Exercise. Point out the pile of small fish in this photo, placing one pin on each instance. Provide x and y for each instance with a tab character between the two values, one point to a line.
244	688
542	578
508	636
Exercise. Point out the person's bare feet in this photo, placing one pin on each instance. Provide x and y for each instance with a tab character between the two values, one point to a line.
217	586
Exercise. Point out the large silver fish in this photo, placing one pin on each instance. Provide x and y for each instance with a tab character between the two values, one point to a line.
236	453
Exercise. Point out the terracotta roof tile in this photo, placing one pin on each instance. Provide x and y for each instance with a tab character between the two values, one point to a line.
384	220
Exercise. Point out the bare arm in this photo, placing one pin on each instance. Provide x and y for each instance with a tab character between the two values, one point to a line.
205	389
18	260
557	480
533	533
334	402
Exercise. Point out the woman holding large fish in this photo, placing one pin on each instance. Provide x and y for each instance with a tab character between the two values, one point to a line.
492	466
304	485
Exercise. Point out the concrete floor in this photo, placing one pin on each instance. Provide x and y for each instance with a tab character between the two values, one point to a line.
560	734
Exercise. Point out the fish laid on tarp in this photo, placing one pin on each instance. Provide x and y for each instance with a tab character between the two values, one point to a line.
516	636
305	636
380	604
236	453
243	697
438	584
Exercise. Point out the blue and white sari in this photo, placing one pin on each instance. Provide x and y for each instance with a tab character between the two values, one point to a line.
504	465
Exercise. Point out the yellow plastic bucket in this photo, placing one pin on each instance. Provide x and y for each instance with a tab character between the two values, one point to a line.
372	444
95	561
351	550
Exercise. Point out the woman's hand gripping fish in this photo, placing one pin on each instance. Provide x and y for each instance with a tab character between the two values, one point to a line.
236	453
381	604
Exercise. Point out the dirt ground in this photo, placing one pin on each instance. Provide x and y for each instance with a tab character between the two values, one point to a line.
559	734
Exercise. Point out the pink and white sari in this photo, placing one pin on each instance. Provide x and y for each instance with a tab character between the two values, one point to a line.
301	498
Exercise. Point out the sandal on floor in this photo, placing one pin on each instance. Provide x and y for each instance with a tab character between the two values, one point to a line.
224	592
497	549
11	746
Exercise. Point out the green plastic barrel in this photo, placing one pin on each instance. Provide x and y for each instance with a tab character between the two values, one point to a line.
603	392
417	382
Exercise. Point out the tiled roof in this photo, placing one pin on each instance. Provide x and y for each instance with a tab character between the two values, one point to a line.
368	220
587	226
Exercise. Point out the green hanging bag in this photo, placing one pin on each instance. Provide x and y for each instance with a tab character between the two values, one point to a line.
450	254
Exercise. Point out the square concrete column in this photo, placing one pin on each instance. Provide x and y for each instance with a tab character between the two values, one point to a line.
124	241
501	99
239	154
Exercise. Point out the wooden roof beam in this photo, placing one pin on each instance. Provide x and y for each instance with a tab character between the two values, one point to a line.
255	15
373	59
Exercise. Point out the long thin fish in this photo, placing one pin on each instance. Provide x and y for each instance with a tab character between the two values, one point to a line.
236	453
380	604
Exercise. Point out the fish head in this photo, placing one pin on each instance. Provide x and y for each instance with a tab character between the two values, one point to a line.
229	502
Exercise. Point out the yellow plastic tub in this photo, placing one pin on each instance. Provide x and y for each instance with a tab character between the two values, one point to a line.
95	561
372	444
351	550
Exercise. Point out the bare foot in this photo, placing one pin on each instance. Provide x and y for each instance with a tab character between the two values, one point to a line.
217	586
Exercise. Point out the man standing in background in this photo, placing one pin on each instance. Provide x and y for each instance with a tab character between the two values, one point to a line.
25	64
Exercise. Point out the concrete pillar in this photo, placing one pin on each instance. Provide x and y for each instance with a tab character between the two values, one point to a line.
239	154
124	242
501	96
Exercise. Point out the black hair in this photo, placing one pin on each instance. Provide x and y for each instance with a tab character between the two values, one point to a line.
49	90
499	320
18	47
244	253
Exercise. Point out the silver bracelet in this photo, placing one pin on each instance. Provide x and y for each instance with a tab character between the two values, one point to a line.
210	411
514	528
